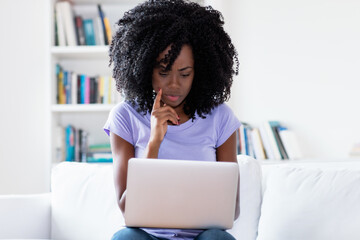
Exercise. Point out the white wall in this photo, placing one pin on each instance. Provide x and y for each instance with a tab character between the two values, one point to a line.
299	64
23	97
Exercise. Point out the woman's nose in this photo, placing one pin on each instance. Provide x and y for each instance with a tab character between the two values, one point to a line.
174	81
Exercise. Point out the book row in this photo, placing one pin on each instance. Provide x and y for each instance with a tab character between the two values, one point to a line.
271	140
74	88
73	145
75	29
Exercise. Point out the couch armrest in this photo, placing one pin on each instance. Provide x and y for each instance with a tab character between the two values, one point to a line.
25	216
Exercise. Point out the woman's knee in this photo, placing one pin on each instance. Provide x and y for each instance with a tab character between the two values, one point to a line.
131	234
214	234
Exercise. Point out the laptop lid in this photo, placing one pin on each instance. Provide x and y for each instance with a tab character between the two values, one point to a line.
181	194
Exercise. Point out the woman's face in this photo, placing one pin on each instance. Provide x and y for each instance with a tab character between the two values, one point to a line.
175	83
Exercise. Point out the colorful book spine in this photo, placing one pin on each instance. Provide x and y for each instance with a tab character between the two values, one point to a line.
87	90
89	32
82	87
102	16
108	29
80	35
73	88
70	143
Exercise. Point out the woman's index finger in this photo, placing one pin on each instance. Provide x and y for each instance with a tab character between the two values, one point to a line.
157	100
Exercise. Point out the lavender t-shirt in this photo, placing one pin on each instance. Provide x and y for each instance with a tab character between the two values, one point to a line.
193	140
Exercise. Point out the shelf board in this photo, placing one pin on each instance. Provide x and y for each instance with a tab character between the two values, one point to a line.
80	52
62	108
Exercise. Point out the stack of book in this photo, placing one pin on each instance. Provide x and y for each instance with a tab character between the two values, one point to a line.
91	27
355	150
73	146
99	153
269	141
74	88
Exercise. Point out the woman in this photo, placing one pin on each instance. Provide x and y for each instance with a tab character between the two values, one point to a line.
173	62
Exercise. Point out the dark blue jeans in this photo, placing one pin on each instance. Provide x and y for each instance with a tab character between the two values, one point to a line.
138	234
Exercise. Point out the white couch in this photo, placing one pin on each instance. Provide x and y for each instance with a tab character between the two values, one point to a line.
283	201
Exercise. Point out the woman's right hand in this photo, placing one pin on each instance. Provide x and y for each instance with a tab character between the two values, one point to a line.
160	115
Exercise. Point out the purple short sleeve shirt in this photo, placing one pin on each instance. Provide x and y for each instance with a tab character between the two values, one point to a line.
193	140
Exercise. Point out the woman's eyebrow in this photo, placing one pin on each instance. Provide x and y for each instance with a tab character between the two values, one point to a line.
182	69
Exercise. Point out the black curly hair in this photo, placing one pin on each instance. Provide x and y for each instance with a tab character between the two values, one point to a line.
148	29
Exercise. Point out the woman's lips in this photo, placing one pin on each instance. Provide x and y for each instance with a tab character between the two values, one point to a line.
172	98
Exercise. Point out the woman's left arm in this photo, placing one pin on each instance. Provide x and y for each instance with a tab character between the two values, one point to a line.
227	153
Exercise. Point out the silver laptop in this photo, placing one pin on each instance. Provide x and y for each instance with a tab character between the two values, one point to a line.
181	194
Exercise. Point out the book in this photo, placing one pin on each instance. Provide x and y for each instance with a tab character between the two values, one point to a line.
104	147
101	90
84	146
67	17
69	143
77	145
80	35
78	88
60	25
266	142
99	160
269	135
82	88
259	150
59	132
89	32
355	150
108	29
290	142
274	127
56	34
87	90
238	150
57	73
243	139
99	35
61	96
102	15
74	86
92	89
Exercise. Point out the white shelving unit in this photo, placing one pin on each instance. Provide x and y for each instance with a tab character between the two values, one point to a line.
68	108
80	52
89	60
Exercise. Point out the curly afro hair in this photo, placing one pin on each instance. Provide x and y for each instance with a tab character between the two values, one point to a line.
148	29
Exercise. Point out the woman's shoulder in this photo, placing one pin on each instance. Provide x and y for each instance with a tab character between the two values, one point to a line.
126	109
222	110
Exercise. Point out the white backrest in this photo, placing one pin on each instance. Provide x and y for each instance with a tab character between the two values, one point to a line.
25	216
315	201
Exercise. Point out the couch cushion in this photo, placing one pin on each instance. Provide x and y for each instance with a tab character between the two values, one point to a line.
311	203
83	202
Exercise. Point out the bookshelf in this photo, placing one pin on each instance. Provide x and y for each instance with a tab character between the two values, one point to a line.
90	60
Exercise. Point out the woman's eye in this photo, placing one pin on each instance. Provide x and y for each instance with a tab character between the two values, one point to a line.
163	74
185	75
